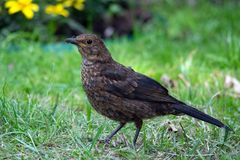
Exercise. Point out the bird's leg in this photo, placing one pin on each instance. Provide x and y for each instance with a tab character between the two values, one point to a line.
138	125
109	137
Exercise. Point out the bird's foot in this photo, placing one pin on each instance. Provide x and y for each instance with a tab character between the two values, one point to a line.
104	142
107	141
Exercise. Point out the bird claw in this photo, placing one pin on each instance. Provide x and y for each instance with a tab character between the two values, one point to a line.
107	141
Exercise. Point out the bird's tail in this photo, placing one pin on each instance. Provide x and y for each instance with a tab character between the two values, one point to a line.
183	108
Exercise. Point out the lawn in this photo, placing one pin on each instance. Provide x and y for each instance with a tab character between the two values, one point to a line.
45	113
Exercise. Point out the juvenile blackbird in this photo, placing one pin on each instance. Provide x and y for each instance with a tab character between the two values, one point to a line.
123	95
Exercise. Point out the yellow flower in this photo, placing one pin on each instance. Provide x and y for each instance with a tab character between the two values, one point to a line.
77	4
67	3
57	9
25	6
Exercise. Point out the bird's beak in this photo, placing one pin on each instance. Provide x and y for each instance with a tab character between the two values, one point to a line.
71	40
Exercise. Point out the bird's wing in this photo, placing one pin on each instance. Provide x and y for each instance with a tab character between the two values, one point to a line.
126	83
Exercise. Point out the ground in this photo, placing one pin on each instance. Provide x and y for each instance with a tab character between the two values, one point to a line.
45	113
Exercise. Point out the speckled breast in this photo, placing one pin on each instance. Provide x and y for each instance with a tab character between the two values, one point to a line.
101	100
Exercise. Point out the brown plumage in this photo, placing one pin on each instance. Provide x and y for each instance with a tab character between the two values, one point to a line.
123	95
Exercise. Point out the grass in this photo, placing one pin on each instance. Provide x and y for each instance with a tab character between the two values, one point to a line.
45	113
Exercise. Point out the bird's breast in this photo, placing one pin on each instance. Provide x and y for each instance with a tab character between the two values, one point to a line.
91	78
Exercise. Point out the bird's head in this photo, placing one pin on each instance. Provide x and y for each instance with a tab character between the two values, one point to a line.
91	47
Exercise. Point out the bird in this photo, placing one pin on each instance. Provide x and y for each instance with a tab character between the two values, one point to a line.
123	95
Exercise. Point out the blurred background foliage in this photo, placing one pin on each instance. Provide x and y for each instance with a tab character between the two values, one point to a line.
68	17
53	19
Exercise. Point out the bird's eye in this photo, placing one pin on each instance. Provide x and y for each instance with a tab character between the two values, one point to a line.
89	41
